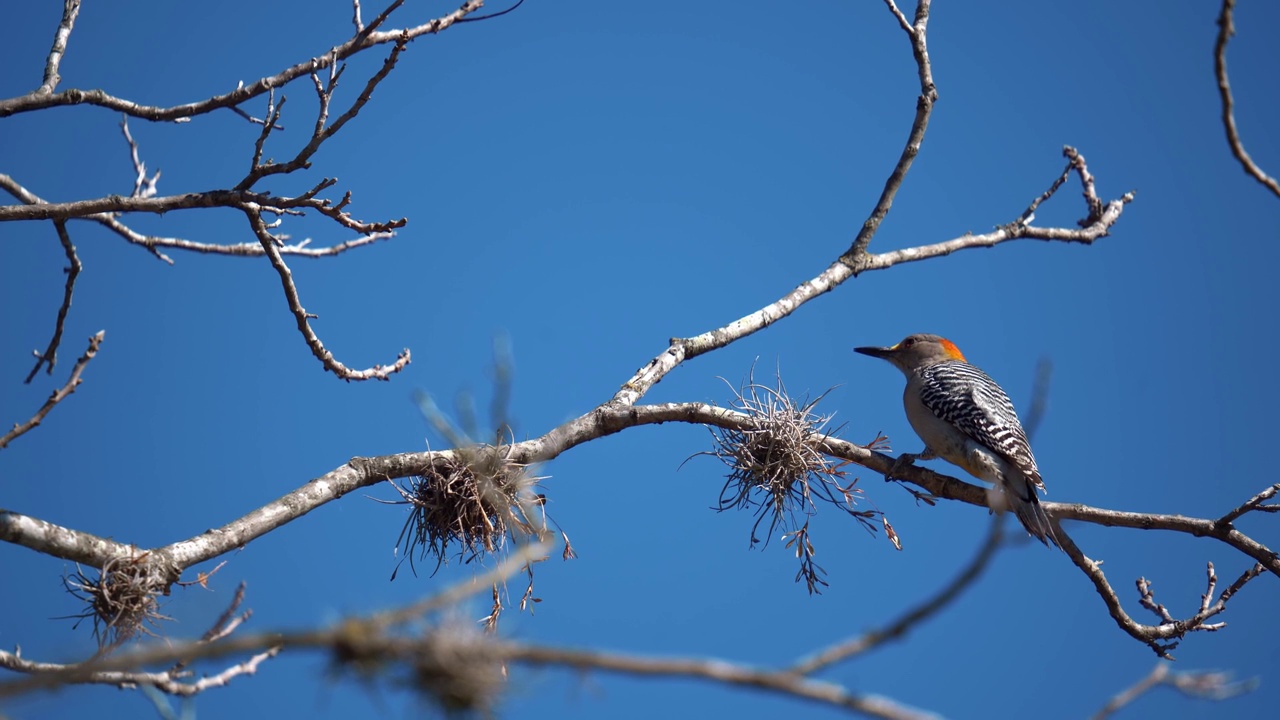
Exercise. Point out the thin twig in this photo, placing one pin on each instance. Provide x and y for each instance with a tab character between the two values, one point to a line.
58	395
915	138
303	318
1253	503
1227	28
49	357
143	186
183	113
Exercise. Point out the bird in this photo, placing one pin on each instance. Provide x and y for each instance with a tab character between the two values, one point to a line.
967	419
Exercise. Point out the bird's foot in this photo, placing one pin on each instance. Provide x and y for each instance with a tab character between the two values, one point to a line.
903	461
906	460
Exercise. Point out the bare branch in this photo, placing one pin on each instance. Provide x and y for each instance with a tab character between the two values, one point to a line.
1252	504
49	357
1097	224
60	542
609	419
143	186
321	132
70	9
1164	637
902	19
915	138
371	231
181	113
167	682
377	372
1227	28
58	395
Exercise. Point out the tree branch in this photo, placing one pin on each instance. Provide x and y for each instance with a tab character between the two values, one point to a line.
361	41
1227	28
58	395
303	318
607	420
49	357
899	628
70	10
780	681
915	138
1197	684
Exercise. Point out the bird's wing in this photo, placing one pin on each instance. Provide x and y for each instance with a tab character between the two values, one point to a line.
963	395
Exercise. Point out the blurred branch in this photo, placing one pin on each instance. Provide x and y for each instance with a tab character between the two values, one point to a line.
1227	28
376	639
122	669
1195	684
58	395
780	681
898	629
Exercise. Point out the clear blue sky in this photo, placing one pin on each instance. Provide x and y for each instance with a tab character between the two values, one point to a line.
592	179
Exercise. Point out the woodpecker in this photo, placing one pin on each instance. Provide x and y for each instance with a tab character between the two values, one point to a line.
964	417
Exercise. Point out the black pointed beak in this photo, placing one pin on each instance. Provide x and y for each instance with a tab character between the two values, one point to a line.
875	352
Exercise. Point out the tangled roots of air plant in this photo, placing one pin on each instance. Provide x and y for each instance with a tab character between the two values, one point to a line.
474	500
777	471
122	600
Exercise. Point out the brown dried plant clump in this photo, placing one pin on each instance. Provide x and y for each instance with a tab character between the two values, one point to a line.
452	664
777	471
456	666
122	600
474	500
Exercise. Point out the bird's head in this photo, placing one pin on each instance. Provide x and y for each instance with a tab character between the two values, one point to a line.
915	352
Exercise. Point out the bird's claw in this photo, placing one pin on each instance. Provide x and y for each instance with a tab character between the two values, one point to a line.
907	460
904	460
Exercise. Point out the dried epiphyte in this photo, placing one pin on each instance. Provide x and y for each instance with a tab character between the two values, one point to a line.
452	664
777	470
122	600
456	666
474	499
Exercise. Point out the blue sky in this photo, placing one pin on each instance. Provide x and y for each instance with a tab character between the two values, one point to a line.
590	179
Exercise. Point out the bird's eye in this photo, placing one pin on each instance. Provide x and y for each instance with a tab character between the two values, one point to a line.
908	342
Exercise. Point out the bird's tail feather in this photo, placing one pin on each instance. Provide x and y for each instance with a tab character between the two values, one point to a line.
1019	495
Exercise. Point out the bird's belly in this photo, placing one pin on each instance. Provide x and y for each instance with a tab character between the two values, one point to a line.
952	445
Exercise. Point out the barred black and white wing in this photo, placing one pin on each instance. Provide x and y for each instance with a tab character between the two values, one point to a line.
969	399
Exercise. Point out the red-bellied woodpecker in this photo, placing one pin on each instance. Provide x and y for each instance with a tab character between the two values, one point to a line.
965	418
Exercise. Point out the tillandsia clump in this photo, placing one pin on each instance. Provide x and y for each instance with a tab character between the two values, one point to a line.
473	499
451	663
456	666
122	600
777	470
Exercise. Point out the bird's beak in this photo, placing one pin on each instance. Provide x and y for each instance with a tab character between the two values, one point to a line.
877	352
